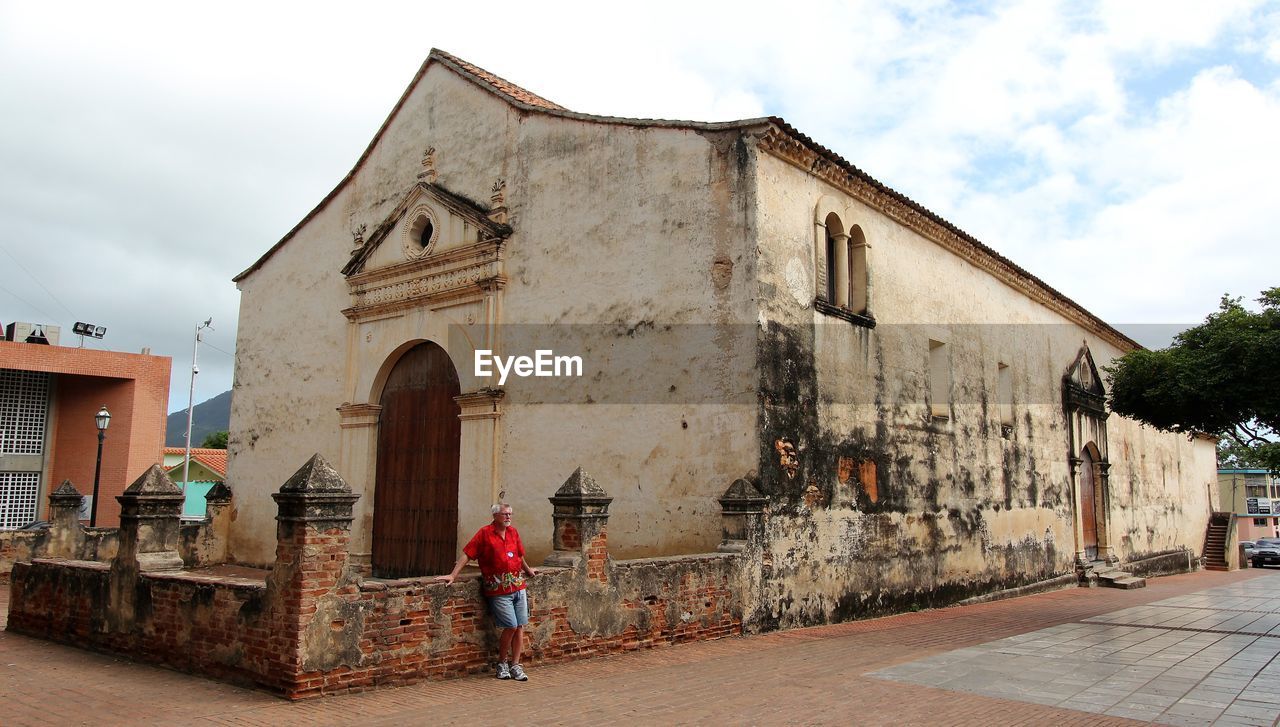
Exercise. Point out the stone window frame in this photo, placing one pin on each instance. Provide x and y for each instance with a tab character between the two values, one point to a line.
416	222
840	246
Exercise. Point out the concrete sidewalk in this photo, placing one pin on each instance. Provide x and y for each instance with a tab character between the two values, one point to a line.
1182	636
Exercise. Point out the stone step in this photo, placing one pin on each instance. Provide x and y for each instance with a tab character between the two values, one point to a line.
1215	566
1116	578
1128	582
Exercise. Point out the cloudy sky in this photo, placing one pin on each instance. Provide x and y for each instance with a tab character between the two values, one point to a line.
1126	152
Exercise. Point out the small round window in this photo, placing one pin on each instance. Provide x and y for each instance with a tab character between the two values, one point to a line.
421	234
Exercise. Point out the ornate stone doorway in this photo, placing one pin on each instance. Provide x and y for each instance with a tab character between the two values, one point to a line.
415	512
1085	402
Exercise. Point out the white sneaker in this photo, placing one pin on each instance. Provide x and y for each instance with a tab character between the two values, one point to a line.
504	671
517	673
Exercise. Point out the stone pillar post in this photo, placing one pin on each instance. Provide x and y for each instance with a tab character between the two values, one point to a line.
150	511
66	534
860	300
313	531
1077	527
1105	550
150	518
820	260
841	262
580	516
357	459
217	508
741	509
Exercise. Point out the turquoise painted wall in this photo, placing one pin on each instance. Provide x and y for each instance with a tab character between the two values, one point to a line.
193	506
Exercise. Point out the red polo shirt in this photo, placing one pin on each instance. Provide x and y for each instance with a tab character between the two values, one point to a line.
500	559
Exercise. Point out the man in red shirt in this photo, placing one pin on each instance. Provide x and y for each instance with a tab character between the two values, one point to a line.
498	550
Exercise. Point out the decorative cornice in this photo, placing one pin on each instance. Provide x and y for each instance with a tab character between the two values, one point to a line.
355	416
476	252
482	404
791	147
465	284
359	410
467	272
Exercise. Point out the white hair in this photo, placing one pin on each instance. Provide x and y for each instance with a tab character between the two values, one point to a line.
498	508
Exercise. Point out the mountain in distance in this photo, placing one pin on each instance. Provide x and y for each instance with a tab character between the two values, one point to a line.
207	417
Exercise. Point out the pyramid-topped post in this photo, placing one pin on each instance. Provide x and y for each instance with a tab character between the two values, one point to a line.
313	533
217	509
317	495
150	520
65	532
580	516
741	508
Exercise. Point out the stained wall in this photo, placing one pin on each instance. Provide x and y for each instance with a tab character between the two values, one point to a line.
905	496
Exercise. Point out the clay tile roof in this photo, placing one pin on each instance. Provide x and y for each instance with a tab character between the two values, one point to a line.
501	85
214	459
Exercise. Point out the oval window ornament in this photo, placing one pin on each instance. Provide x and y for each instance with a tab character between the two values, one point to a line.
421	233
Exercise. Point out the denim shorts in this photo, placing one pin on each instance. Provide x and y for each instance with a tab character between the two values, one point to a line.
510	610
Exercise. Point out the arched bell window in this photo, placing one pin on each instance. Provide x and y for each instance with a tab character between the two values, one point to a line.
841	265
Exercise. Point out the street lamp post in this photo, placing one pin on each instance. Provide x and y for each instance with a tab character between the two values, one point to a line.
101	420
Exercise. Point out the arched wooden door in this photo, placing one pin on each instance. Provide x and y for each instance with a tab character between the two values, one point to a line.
1088	505
415	500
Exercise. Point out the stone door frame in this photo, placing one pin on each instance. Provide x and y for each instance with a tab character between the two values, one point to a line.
1084	402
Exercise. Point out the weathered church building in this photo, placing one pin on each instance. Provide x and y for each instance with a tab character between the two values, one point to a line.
915	418
728	382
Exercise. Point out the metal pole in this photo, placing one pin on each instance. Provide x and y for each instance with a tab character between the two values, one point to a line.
191	397
97	473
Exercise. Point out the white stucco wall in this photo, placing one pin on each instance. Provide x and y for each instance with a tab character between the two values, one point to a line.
626	235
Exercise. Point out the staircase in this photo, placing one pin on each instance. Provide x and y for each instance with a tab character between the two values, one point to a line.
1215	541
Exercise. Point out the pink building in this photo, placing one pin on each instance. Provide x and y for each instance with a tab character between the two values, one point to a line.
49	395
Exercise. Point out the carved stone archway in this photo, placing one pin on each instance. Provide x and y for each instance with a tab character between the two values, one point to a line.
431	271
1085	402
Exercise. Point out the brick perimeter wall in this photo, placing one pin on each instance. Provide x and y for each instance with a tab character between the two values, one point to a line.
323	632
215	629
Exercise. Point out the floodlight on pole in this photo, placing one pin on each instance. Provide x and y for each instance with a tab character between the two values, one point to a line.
92	330
100	420
191	397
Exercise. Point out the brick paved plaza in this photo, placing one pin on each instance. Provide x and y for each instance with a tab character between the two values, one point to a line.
1189	649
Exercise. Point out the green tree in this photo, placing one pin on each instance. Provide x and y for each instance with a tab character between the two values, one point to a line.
215	440
1221	377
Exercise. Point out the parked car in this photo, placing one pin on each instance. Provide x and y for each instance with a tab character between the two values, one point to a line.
1248	547
1266	551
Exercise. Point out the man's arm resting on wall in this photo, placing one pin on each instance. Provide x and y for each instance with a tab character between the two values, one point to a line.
457	568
